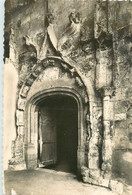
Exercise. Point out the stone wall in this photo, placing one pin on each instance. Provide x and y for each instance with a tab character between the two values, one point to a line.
122	31
29	21
95	37
114	34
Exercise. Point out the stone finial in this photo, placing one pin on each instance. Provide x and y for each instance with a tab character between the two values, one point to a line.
49	18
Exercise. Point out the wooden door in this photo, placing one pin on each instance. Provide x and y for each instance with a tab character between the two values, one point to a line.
47	136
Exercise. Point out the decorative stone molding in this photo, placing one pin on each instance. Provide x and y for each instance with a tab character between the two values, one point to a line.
107	91
79	82
51	61
95	173
31	122
19	116
22	102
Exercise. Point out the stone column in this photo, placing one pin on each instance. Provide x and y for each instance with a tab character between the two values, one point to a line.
94	143
104	46
32	146
107	136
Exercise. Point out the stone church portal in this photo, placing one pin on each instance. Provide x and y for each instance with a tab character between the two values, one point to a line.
67	88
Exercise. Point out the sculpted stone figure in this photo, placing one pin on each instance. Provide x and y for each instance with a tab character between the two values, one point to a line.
70	37
69	40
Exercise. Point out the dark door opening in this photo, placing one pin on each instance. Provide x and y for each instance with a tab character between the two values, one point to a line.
58	133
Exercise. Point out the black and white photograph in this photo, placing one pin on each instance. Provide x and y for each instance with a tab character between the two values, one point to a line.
67	97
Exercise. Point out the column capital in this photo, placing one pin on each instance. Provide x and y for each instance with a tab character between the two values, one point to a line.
107	91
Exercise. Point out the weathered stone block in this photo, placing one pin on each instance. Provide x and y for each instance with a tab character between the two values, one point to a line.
127	156
106	166
108	109
122	165
16	165
30	80
20	130
93	162
121	138
120	117
107	129
21	103
32	164
121	106
128	93
104	182
94	173
20	118
121	124
118	94
31	152
116	186
84	173
129	114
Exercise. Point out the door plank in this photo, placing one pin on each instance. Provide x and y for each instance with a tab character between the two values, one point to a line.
47	136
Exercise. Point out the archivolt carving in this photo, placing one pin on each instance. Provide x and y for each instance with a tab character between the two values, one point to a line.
22	100
69	47
37	70
41	66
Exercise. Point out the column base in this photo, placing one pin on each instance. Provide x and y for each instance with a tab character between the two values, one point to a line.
16	164
97	177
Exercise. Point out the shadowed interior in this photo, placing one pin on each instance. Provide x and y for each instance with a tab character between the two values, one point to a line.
61	112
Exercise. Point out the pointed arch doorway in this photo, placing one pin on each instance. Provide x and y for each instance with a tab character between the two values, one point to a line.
54	119
58	133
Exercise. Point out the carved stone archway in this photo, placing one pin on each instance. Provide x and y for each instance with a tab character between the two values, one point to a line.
92	138
27	111
31	125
